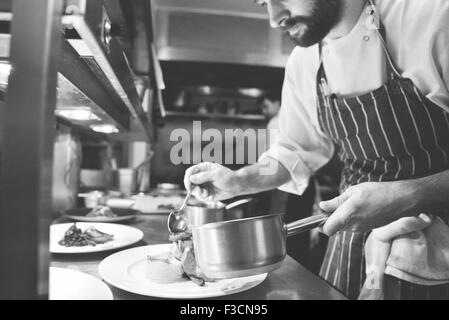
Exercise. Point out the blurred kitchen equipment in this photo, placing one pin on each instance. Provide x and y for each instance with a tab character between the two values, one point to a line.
245	247
203	109
93	179
233	108
125	180
168	188
208	212
120	203
82	214
176	222
66	169
182	100
92	199
131	180
143	173
108	165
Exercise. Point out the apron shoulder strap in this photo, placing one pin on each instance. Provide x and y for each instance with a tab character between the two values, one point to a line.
380	30
321	74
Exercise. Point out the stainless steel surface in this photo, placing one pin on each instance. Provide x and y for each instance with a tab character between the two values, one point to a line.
204	212
245	247
187	198
80	86
168	187
211	91
176	222
86	17
240	248
219	7
270	49
306	224
208	212
27	158
125	181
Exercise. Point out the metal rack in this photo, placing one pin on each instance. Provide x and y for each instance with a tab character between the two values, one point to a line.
94	71
63	55
98	45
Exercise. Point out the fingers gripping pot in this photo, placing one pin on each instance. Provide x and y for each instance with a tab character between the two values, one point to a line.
246	247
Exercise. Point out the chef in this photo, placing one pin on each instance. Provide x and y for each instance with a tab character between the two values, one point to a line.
369	80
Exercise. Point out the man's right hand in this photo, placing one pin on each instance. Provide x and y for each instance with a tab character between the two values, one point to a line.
212	182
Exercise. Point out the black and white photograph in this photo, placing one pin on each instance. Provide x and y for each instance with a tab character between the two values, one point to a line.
222	155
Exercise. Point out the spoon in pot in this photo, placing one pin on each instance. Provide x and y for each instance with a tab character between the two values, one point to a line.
176	222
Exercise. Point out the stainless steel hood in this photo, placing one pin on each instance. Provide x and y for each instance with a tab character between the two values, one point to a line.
231	31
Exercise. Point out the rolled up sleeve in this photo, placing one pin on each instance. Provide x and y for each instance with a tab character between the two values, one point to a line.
299	146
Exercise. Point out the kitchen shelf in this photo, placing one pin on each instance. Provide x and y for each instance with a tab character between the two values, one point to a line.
193	115
100	138
80	86
94	72
95	31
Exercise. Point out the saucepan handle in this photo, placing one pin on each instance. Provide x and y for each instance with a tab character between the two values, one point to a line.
306	224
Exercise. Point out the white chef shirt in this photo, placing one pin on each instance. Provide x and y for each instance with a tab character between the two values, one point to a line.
418	40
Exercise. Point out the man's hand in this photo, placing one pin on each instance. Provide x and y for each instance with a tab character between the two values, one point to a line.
402	226
212	182
369	206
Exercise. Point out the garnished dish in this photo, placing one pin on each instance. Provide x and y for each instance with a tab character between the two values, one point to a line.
101	212
176	264
166	207
75	237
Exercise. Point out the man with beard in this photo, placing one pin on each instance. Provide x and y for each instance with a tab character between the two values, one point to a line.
370	80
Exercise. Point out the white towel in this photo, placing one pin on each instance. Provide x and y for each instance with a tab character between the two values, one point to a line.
414	249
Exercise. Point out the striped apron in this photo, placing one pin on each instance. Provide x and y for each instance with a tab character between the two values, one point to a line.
392	133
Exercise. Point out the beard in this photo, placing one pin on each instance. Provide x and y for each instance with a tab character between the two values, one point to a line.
305	31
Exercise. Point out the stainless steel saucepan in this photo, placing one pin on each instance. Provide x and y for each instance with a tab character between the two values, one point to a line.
246	247
198	213
207	212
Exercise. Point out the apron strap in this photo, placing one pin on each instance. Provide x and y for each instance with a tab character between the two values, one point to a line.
380	30
322	83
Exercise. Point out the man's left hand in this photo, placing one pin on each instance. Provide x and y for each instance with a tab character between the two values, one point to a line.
369	206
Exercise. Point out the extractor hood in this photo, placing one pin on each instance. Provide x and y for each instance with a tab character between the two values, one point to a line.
217	31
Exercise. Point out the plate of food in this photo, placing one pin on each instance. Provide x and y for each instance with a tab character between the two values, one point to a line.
157	204
100	214
84	237
68	284
168	271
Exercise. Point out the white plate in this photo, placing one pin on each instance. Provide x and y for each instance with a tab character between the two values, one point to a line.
101	219
80	214
67	284
123	236
126	270
151	204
